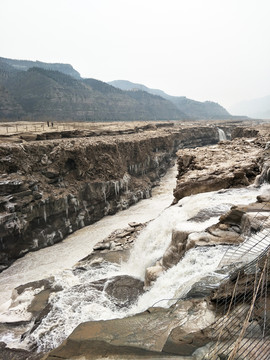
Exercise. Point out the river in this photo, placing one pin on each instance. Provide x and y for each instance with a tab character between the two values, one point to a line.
51	260
72	305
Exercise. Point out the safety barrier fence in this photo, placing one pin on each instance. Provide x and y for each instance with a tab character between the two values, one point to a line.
242	331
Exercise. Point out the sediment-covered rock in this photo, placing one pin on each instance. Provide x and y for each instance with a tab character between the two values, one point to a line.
225	165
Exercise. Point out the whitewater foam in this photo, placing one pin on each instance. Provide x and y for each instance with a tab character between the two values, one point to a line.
78	302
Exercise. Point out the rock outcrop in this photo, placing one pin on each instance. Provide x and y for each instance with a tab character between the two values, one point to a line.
182	241
147	331
225	165
228	164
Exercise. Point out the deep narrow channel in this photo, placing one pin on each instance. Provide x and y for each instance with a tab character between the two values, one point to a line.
51	260
78	302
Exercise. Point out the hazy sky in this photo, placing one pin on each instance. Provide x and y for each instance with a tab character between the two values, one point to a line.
215	50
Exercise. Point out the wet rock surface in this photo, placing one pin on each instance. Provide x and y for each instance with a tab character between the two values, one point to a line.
148	330
96	350
124	289
17	354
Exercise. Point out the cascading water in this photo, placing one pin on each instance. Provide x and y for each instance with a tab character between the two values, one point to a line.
221	134
78	302
52	260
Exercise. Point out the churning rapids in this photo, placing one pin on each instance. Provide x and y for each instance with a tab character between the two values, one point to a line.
78	302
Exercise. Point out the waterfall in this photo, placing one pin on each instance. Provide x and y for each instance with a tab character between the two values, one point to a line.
264	175
79	302
221	134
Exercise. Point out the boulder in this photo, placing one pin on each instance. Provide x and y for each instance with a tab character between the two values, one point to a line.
152	273
145	331
176	249
124	289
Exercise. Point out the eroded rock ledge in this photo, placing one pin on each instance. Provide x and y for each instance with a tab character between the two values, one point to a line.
50	188
221	166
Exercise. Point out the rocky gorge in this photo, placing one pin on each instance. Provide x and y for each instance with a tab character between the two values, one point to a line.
183	326
63	181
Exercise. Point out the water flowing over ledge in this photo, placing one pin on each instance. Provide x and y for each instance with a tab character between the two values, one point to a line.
78	302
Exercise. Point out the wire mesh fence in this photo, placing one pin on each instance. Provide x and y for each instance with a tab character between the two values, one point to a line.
242	331
40	127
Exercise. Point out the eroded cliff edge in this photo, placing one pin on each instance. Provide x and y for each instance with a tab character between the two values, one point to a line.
50	188
227	164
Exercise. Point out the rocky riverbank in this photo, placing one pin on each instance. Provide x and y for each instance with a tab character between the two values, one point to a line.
50	188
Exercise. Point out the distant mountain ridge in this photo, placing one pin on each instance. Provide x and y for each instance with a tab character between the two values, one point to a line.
40	94
32	90
255	108
192	108
24	65
128	85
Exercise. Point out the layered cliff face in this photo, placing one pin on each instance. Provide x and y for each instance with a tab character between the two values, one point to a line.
51	188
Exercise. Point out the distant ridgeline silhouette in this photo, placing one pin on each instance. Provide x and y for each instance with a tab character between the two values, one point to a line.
34	90
193	109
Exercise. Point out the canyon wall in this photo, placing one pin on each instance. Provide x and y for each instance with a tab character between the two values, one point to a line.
50	188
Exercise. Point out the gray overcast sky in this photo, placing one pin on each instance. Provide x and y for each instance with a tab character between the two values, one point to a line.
215	50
